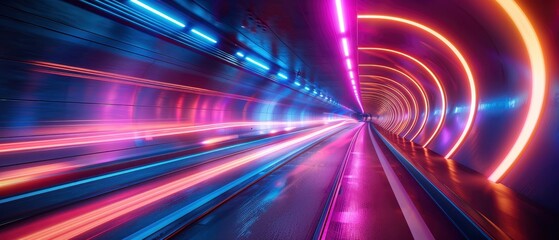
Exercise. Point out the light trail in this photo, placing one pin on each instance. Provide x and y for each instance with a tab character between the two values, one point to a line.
90	74
74	226
112	137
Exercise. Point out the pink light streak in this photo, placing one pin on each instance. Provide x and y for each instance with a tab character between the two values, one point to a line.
68	226
219	139
340	13
345	46
129	135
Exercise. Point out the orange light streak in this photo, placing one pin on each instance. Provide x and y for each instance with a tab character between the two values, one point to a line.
539	86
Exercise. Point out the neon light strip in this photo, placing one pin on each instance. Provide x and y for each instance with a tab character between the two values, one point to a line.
345	46
203	35
282	76
397	95
412	97
153	10
389	106
419	87
539	88
257	63
340	13
396	106
439	86
471	81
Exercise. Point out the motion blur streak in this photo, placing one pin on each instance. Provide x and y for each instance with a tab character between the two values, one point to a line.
91	74
73	227
435	79
112	137
219	139
538	93
471	81
420	88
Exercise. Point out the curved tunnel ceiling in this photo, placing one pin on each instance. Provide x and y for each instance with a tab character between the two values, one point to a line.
453	58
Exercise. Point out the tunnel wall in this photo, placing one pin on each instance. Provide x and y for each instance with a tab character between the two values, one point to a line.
69	72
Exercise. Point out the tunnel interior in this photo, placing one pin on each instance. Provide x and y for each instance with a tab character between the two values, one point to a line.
460	96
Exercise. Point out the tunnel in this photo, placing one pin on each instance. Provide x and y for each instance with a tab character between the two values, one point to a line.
288	119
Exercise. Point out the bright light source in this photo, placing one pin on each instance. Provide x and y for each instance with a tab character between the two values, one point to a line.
203	35
340	13
288	128
297	83
257	63
219	139
240	54
352	82
345	47
282	76
314	92
307	89
539	86
348	63
153	10
351	74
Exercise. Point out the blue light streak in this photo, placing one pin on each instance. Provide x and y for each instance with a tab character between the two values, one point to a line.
282	76
257	63
297	83
240	54
307	89
153	10
203	35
